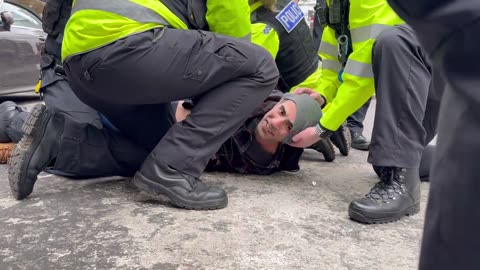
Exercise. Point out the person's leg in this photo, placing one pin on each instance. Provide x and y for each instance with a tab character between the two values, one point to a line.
451	239
11	120
355	125
426	163
9	112
355	121
77	144
59	98
86	151
14	129
402	79
74	148
229	78
430	122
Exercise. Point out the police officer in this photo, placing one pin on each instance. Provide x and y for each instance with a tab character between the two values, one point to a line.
449	31
140	56
373	51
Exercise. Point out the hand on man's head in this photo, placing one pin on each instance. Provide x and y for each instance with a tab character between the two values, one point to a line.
311	93
305	138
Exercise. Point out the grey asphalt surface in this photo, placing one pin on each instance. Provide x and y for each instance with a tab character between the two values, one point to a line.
283	221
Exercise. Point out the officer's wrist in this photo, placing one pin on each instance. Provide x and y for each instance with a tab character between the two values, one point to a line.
322	132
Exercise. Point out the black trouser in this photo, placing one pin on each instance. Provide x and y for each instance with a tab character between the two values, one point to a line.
59	99
355	121
86	149
132	81
407	108
449	31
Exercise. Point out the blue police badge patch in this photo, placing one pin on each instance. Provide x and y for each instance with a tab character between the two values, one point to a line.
267	29
290	16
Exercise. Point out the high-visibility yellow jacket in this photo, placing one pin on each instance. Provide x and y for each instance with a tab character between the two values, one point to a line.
367	19
269	40
96	23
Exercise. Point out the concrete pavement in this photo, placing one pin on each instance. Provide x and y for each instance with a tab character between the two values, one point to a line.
283	221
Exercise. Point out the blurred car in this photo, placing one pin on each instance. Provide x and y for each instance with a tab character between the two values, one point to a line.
21	43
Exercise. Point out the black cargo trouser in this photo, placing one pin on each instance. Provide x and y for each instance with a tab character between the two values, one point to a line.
86	148
132	81
449	31
407	106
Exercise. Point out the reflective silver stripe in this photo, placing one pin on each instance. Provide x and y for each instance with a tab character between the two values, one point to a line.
332	65
328	49
359	69
124	8
367	32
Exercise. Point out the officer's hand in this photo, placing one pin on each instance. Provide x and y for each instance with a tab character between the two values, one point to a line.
311	93
305	138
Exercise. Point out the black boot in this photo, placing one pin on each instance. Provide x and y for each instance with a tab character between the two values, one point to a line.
380	170
342	139
423	170
325	147
35	151
359	142
396	195
183	190
8	111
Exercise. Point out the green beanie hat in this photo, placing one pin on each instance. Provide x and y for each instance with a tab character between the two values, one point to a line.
309	113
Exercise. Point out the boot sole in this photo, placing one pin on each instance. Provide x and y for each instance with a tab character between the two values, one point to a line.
412	210
22	154
154	188
343	140
329	156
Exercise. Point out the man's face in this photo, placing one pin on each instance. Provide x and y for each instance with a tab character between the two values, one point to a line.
277	123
